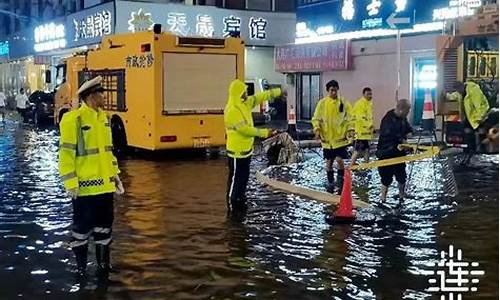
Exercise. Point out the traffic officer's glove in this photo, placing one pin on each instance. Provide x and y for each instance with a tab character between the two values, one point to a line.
119	186
73	193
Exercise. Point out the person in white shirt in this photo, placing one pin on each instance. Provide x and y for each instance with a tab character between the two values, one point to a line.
3	104
21	103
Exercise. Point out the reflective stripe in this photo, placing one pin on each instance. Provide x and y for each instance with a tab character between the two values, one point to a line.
69	146
80	141
80	236
68	176
93	182
237	125
102	230
91	151
108	148
232	186
103	242
239	153
75	244
106	124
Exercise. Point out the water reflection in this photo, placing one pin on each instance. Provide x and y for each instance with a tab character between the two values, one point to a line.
173	240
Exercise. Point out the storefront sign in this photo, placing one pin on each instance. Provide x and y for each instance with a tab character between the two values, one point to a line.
89	26
4	48
49	37
348	16
257	28
455	9
327	56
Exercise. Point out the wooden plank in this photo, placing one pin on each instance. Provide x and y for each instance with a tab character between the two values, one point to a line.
319	196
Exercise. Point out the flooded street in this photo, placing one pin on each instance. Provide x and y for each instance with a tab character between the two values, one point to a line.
172	239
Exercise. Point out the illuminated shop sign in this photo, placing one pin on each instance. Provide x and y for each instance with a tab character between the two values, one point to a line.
202	24
455	9
90	25
93	25
49	37
370	18
4	48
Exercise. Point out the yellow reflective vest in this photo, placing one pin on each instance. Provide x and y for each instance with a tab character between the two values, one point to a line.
476	105
238	119
332	123
86	160
362	115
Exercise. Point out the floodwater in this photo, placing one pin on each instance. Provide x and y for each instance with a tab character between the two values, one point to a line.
172	239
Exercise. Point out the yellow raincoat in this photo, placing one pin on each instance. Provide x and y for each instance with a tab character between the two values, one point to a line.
332	123
86	160
362	115
475	104
238	119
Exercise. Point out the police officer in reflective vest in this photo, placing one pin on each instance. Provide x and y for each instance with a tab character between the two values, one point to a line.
240	138
89	171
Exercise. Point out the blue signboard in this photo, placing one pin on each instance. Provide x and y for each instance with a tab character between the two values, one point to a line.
88	26
337	16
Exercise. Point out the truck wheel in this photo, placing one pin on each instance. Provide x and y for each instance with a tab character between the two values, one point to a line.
119	135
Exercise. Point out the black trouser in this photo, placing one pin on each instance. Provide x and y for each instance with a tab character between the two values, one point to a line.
92	215
239	171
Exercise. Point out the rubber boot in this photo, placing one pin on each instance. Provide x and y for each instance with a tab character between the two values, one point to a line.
103	261
340	181
330	188
81	259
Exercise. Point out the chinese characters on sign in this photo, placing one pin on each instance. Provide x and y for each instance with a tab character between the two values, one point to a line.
49	36
204	26
92	26
456	8
455	275
348	10
140	21
372	23
232	26
373	7
178	23
318	57
4	48
139	61
400	5
257	28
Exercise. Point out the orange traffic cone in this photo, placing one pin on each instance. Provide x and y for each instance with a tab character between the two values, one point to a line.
428	113
345	207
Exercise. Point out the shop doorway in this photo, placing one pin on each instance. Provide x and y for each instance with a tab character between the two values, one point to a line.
309	92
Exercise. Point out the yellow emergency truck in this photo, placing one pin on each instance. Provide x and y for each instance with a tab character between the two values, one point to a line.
162	91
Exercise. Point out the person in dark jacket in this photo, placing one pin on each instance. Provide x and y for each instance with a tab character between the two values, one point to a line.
394	129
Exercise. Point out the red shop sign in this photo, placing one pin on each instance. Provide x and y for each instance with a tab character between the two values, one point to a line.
327	56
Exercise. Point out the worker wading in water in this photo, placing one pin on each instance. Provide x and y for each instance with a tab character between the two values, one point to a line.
89	171
240	133
332	124
394	130
362	114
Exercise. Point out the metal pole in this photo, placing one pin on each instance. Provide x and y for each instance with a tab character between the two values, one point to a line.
398	42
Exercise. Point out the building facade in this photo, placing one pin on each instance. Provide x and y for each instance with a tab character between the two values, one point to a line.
39	46
375	57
